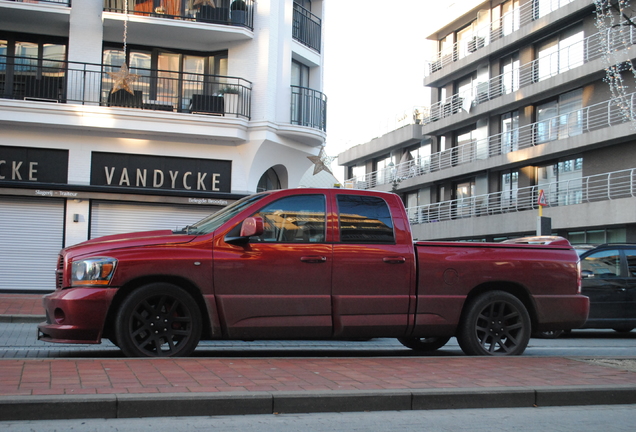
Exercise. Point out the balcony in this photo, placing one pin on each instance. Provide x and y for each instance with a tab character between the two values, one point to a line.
575	123
56	81
483	36
306	28
237	13
575	55
308	108
583	190
31	16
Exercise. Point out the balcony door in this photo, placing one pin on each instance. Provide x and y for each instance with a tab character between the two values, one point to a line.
32	68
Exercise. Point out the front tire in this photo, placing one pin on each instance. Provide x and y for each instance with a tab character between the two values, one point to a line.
495	323
158	320
428	344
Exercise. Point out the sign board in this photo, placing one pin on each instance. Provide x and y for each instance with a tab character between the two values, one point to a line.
29	165
542	201
160	172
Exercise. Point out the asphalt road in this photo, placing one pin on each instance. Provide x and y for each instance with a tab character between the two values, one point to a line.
20	341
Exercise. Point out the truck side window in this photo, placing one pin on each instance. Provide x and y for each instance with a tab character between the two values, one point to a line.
295	219
603	264
364	219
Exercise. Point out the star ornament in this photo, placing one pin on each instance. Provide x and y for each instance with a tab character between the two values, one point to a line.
123	79
321	161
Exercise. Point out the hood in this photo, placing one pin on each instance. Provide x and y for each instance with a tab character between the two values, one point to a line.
128	240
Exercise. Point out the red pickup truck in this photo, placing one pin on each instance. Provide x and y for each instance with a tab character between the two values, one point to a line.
310	264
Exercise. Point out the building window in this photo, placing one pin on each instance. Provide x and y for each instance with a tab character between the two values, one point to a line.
562	182
509	188
182	80
560	53
464	191
510	132
510	73
32	67
383	167
596	236
560	118
268	181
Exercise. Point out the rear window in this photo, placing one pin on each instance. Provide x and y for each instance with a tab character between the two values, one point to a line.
364	219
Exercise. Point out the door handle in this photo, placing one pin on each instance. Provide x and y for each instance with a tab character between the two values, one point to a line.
313	259
394	260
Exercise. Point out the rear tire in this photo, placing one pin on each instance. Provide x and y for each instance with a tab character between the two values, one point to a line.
428	344
158	320
495	323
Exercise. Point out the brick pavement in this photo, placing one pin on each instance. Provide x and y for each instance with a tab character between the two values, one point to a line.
21	304
195	375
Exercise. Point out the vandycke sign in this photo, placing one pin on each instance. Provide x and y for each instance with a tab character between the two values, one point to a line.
159	172
25	165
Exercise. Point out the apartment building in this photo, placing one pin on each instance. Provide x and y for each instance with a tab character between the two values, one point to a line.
130	115
519	104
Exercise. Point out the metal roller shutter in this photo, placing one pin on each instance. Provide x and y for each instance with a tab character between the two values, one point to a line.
109	217
31	235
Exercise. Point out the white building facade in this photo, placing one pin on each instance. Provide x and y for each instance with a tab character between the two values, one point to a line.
224	100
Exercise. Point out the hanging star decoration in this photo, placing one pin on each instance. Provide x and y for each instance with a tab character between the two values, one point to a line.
321	162
123	79
204	3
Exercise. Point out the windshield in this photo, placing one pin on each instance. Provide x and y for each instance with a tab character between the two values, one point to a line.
215	220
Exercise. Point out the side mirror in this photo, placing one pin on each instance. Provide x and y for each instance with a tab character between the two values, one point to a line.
252	226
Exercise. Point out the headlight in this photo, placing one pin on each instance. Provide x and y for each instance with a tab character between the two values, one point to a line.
93	271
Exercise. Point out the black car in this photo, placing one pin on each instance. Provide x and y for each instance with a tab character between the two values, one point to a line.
609	279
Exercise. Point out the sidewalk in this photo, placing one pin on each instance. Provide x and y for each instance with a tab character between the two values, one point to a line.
109	388
21	308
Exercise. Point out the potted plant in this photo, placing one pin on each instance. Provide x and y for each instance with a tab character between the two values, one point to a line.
238	11
231	99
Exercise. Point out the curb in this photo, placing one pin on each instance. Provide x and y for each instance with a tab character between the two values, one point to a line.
243	403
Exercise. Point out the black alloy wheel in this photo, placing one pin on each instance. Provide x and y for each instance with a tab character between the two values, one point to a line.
428	344
158	320
495	323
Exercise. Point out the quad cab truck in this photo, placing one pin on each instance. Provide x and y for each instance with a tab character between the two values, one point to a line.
311	264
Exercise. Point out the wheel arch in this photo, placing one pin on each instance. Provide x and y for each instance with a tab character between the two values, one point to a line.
129	287
515	289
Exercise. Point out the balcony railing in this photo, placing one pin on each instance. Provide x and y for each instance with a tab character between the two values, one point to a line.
496	29
91	84
601	187
565	125
308	108
569	57
307	27
237	12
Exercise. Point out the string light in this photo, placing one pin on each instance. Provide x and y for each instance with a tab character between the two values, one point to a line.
616	34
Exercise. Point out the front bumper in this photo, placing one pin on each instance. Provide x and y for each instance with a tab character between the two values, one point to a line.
75	315
561	312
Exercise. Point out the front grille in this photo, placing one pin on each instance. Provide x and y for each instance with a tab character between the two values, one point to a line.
59	272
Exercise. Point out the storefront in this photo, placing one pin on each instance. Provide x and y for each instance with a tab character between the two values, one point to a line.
40	212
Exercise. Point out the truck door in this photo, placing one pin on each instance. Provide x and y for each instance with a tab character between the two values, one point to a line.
605	286
278	286
372	271
630	255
